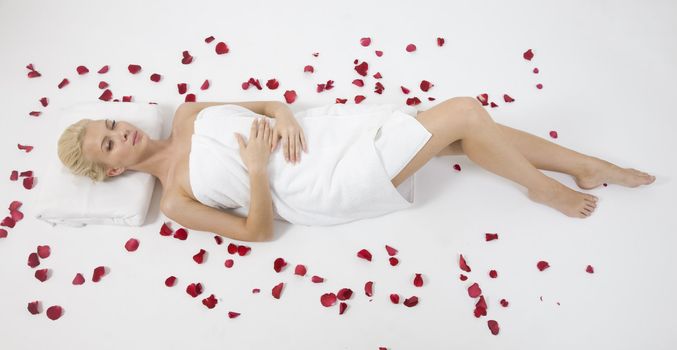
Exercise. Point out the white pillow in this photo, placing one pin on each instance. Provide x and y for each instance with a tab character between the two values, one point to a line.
72	200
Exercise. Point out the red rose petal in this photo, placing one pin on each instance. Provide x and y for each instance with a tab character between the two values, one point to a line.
221	48
391	251
106	95
410	302
190	98
342	308
553	134
394	298
205	85
126	98
418	280
493	273
34	307
218	239
365	42
33	260
279	264
493	326
233	314
54	312
504	303
344	293
41	274
474	291
535	70
539	86
187	58
14	176
98	273
277	290
82	70
483	98
232	248
440	41
507	98
463	264
132	244
411	48
210	301
182	88
243	250
542	265
317	279
165	230
8	221
170	281
194	289
300	270
44	102
490	236
229	263
103	70
44	251
528	55
368	288
199	257
589	269
103	85
63	83
209	39
155	77
463	277
79	279
364	254
3	233
328	299
393	261
29	183
290	96
426	85
35	113
15	205
134	68
181	234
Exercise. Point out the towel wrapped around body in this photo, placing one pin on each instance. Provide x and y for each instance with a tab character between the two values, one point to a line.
342	178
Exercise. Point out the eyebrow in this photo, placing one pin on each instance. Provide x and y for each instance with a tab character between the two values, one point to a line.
105	122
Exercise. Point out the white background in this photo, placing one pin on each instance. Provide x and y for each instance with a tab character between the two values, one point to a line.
608	71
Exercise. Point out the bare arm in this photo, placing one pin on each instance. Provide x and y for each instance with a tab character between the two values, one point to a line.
260	216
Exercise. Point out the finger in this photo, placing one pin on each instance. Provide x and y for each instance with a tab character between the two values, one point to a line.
266	132
293	150
252	132
239	139
285	144
274	140
303	141
298	148
261	129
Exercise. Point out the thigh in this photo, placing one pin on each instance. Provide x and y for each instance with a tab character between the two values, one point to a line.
447	123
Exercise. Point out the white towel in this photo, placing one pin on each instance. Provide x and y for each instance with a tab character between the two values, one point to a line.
340	179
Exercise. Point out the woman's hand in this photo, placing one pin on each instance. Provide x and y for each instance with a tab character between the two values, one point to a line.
256	152
292	136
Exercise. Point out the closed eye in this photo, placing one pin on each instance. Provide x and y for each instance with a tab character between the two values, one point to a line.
110	142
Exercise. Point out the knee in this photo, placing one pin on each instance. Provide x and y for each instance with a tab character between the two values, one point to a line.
469	109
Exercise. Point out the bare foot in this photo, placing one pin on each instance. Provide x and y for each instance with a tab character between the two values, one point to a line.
571	203
599	171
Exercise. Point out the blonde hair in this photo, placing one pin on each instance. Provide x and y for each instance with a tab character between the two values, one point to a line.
72	156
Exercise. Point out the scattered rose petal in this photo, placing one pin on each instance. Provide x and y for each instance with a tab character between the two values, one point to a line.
328	299
528	55
395	298
364	254
317	279
553	134
243	250
209	39
3	233
132	244
165	230
170	281
187	58
490	236
391	251
218	240
493	326
255	291
33	260
290	96
155	77
210	301
480	307
8	221
44	102
28	183
54	312
411	48
463	264
426	85
410	302
98	273
344	293
463	277
483	98
368	288
342	308
279	264
232	248
393	261
82	70
79	279
418	280
106	95
542	265
199	257
440	41
507	98
539	86
41	274
277	290
103	84
63	83
365	42
457	167
300	270
35	113
221	48
34	307
493	274
134	68
194	289
504	303
205	85
233	314
190	98
474	290
44	251
536	70
229	263
181	234
103	70
589	269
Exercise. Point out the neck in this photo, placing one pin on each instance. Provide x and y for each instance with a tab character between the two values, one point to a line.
159	159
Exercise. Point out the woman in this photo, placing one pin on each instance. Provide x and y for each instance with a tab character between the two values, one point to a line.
460	125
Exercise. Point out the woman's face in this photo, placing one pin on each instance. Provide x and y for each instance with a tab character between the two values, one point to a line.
111	142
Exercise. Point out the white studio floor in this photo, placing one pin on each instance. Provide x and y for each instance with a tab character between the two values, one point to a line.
608	72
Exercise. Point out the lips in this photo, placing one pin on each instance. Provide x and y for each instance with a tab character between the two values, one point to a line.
135	140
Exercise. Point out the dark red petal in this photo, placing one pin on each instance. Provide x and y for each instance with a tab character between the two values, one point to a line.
542	265
394	298
368	288
411	48
190	98
344	293
474	291
539	86
44	102
328	299
589	269
165	230
528	55
232	248
205	85
317	279
279	264
490	236
3	233
463	277
210	301
194	289
391	251
54	312
155	77
82	70
103	70
535	70
493	326
35	113
364	254
44	251
182	88
463	264
243	250
8	221
233	314
553	134
63	83
418	280
493	273
378	53
440	41
229	263
256	290
393	261
209	39
34	307
412	301
221	48
15	205
106	95
132	244
342	308
199	257
41	274
98	273
181	234
426	85
134	68
507	98
79	279
170	281
483	98
126	98
277	290
504	303
300	270
33	260
365	42
218	239
28	183
103	85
